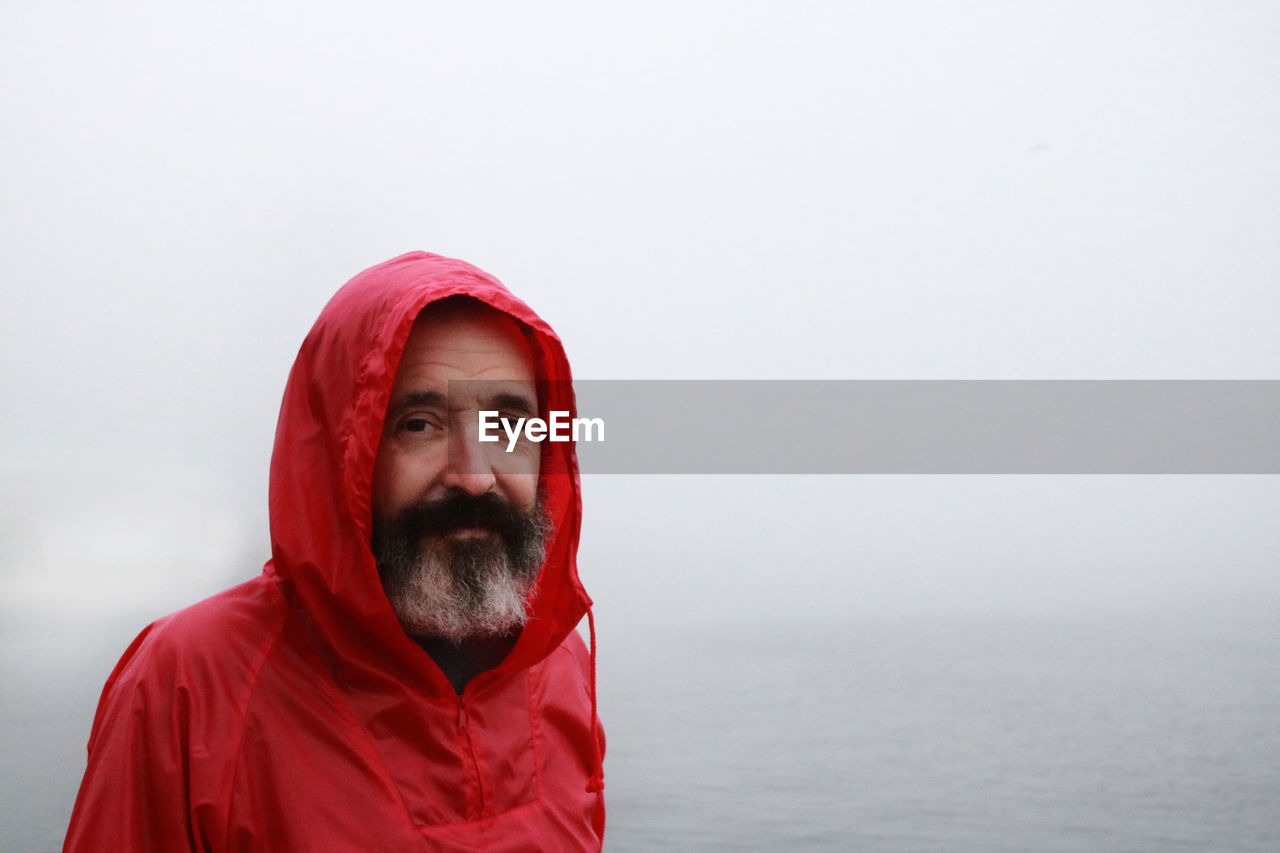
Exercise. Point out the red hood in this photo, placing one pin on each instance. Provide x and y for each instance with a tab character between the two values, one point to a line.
322	465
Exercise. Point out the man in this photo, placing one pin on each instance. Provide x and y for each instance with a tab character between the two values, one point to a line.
405	674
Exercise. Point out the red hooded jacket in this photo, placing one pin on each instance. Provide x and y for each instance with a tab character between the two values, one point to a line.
292	712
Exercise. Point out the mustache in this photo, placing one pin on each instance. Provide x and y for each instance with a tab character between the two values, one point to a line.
459	509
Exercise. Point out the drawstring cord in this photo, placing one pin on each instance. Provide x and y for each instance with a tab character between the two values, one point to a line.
596	783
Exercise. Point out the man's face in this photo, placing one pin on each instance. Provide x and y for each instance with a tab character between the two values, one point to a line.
458	531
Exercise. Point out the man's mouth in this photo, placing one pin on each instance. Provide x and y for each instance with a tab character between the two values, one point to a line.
468	532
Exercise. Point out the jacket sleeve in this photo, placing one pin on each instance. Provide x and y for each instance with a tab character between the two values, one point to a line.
136	788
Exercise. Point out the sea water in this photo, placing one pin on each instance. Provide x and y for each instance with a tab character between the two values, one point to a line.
1084	733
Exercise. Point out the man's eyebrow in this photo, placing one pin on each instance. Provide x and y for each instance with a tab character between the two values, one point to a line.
421	398
517	403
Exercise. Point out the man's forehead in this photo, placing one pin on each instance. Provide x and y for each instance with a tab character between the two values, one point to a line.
470	339
460	308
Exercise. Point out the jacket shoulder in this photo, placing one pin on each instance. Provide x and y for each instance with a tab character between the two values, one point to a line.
247	614
164	739
212	649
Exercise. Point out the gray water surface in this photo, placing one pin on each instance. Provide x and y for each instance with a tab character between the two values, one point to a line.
1069	734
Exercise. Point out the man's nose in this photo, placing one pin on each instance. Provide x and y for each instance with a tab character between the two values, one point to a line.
469	466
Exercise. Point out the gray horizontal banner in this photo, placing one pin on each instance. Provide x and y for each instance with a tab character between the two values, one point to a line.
914	426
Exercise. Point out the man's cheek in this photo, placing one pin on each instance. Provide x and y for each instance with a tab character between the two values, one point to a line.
521	487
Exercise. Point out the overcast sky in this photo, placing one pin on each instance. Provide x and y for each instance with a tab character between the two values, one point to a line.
686	190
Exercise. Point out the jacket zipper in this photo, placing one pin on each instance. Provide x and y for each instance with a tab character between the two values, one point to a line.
471	749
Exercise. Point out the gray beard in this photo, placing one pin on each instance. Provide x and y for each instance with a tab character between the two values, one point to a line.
462	589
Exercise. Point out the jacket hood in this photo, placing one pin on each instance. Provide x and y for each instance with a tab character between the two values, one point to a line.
322	467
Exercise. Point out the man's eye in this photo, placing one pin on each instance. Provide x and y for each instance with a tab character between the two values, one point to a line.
417	425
